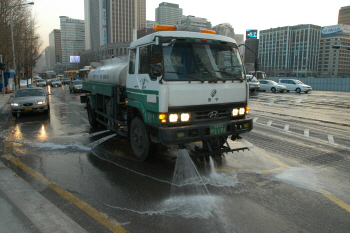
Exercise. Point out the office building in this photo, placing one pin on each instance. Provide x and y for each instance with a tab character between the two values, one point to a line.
290	50
344	15
55	42
72	37
149	29
168	14
201	23
334	63
49	57
112	21
224	29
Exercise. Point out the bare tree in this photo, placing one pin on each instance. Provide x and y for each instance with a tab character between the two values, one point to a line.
27	42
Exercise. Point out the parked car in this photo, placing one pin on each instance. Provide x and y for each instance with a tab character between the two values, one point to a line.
75	86
66	81
56	83
295	85
254	84
33	99
270	85
40	83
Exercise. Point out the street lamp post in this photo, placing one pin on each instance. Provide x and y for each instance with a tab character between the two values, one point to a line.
13	43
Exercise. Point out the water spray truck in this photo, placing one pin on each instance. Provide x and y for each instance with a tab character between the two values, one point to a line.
178	85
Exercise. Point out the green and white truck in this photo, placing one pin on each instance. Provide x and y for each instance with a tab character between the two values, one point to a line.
175	87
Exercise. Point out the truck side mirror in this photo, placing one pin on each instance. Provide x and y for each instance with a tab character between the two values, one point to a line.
156	70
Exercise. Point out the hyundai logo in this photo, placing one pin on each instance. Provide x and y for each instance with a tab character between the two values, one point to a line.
213	114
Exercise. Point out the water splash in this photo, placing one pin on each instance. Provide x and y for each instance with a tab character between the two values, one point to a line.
186	179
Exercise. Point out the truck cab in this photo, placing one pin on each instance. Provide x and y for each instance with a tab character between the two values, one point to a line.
176	87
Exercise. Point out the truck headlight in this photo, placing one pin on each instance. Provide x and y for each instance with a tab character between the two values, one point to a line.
241	111
185	117
173	118
14	104
235	112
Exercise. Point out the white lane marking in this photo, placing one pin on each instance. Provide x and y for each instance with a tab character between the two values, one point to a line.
313	138
269	123
306	133
255	119
286	127
330	139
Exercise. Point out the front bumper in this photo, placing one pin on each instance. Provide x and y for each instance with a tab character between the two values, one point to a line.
194	133
34	108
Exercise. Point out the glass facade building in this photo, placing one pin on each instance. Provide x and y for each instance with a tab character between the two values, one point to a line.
291	50
72	37
168	14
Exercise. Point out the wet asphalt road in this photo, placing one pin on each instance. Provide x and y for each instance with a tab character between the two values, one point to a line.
295	178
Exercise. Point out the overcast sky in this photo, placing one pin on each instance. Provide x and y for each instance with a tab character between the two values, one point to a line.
242	15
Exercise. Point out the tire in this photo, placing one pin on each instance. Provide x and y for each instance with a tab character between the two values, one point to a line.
298	90
288	91
306	92
281	91
139	139
14	114
91	115
273	90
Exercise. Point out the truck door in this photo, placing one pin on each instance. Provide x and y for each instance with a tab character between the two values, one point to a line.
146	82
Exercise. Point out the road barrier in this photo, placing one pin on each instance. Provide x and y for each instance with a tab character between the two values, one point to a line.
322	84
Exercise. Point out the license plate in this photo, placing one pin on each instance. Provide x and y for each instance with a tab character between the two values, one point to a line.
217	129
28	108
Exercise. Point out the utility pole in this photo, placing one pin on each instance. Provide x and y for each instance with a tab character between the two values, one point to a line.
2	77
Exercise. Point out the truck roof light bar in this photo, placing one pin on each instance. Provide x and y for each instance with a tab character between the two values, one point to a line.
181	28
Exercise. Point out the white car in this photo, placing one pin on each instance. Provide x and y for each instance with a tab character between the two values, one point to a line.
56	83
295	85
270	85
254	84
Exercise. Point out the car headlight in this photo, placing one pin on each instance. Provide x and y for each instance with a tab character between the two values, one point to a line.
173	117
185	117
14	104
41	102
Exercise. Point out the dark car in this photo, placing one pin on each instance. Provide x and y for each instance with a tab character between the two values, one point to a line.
66	81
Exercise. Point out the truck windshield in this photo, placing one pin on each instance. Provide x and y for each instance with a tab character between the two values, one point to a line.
184	61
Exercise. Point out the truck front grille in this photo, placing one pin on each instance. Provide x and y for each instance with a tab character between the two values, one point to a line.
211	115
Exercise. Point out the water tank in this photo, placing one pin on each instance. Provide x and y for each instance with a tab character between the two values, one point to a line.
112	74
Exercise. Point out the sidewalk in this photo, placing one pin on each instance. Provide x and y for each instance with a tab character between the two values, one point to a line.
23	208
4	99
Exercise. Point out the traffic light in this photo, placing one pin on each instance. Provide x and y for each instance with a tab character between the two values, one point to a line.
336	46
2	66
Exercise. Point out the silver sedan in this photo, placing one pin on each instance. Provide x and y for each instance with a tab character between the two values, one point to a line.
270	85
30	100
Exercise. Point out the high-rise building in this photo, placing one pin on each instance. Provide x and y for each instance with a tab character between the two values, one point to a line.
344	15
201	23
168	14
224	29
49	57
334	63
55	42
290	50
112	21
72	37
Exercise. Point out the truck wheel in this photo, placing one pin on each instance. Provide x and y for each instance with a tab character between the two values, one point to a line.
273	90
298	90
91	115
139	139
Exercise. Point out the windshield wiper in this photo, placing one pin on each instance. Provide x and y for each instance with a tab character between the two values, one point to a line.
186	75
221	79
225	72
